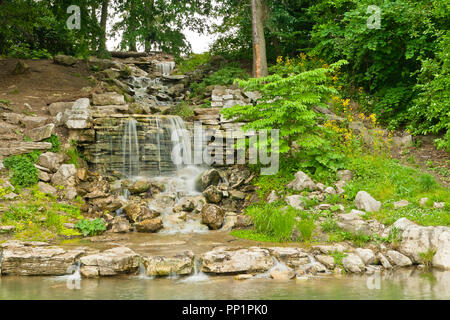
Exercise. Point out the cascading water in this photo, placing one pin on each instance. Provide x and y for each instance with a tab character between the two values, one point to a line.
165	67
130	149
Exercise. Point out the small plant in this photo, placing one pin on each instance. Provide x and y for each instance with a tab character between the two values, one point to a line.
427	257
91	227
25	174
427	182
329	225
56	144
306	228
338	257
395	236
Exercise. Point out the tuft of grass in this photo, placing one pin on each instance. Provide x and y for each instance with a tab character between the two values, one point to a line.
427	257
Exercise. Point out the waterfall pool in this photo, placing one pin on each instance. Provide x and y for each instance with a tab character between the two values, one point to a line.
397	285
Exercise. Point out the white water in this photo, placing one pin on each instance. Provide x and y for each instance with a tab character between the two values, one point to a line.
165	68
130	149
197	276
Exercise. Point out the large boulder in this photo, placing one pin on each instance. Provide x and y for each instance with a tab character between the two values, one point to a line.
31	122
235	260
353	263
301	182
120	260
50	160
149	225
139	186
36	259
398	259
212	194
65	176
47	189
58	107
296	202
41	133
212	216
366	255
120	225
181	264
208	178
364	201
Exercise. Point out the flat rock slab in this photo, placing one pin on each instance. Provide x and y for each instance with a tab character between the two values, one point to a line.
36	259
181	264
120	260
232	260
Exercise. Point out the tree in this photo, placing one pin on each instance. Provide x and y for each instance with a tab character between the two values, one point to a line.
102	52
259	42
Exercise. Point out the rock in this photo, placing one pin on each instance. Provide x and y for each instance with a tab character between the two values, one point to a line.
398	259
65	176
366	255
188	205
243	222
237	195
64	60
364	201
235	260
327	249
354	223
272	197
212	216
345	175
149	225
353	263
330	190
70	193
20	68
401	204
208	178
108	98
120	260
324	206
36	259
41	133
10	196
47	189
295	201
229	222
31	122
292	257
180	264
328	261
140	186
243	276
403	224
7	229
384	261
212	194
69	225
405	141
301	182
423	202
44	176
50	160
81	104
278	274
439	205
58	107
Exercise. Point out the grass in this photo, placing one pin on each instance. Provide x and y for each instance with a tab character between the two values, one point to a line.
253	235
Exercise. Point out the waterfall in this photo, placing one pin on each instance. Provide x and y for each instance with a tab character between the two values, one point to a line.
130	149
198	274
181	139
165	67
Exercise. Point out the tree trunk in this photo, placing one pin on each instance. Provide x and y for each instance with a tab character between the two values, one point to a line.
259	42
132	24
148	24
103	20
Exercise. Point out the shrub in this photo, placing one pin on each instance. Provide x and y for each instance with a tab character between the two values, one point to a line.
25	174
91	227
427	257
306	228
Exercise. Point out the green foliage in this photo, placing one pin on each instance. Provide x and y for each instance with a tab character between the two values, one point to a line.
427	257
74	156
182	109
288	98
195	60
91	227
306	228
329	225
272	220
338	257
54	140
223	76
25	174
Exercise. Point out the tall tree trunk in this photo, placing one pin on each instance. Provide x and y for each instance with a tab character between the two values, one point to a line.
259	42
132	24
103	20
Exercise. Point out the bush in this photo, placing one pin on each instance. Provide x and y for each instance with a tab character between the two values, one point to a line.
91	227
25	174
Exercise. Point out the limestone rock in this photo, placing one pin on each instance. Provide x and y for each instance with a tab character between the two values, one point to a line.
120	225
286	274
108	98
149	225
212	216
181	264
230	260
301	182
36	259
353	263
366	255
295	201
401	204
212	194
365	201
120	260
272	197
47	189
139	186
345	175
328	261
398	259
58	107
65	176
384	261
41	133
208	178
31	122
50	160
